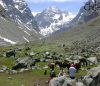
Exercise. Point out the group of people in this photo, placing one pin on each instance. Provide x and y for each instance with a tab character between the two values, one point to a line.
71	71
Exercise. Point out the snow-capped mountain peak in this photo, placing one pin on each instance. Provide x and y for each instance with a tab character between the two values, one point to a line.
52	19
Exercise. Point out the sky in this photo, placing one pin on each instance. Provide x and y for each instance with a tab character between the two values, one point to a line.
65	5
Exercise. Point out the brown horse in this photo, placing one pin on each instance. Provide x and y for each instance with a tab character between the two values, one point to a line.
63	64
66	64
77	66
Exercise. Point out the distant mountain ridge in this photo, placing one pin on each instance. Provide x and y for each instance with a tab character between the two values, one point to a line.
52	19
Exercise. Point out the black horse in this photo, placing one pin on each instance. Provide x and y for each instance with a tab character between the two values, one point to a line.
83	62
66	64
59	63
11	53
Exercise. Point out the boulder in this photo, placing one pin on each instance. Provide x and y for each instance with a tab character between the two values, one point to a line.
96	81
58	81
79	84
92	79
4	68
45	67
22	70
94	71
1	71
34	67
87	80
10	78
63	81
11	72
93	60
32	54
14	71
69	82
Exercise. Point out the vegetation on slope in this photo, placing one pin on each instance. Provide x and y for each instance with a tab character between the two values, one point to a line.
89	32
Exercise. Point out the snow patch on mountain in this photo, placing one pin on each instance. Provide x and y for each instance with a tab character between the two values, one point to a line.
56	16
52	19
26	39
27	33
1	3
35	13
48	30
7	40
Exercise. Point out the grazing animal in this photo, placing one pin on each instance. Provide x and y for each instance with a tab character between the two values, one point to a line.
83	61
66	64
77	66
63	64
59	63
11	53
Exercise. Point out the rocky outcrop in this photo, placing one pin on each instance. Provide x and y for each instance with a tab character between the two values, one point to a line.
96	81
92	79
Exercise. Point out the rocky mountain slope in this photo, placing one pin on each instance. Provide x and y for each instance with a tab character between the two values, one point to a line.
20	13
89	32
12	33
90	10
52	19
85	26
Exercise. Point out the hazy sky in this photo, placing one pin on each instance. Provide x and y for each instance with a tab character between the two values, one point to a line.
69	5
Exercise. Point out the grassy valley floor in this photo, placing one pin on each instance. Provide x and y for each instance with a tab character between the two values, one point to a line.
22	79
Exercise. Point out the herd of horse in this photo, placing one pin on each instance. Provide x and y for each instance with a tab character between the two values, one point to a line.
67	64
58	61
